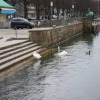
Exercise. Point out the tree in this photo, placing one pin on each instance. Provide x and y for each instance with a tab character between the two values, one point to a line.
44	5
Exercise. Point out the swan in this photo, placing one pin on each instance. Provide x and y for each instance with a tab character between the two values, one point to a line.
36	55
62	53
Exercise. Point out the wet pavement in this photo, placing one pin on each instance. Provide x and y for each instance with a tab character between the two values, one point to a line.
9	34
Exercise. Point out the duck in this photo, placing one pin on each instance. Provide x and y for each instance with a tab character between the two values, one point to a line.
61	53
88	52
36	55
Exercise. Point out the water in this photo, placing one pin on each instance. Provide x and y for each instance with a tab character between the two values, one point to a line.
74	77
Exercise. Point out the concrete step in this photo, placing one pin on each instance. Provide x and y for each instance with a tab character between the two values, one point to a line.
18	55
14	47
14	61
14	50
15	44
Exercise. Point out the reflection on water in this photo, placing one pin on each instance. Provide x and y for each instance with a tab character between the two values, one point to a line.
74	77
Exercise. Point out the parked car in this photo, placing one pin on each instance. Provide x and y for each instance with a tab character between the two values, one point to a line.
17	23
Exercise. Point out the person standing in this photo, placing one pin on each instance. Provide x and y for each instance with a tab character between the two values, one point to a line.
38	23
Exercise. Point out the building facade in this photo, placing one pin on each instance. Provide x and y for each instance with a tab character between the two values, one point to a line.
5	11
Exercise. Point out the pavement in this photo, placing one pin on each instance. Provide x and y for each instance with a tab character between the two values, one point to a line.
8	34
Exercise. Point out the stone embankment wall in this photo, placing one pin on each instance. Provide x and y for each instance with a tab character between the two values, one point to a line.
87	25
51	36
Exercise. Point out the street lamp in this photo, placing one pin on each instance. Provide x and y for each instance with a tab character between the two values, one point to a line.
44	13
73	6
51	4
73	9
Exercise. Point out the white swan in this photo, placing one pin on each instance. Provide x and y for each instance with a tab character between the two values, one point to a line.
62	53
36	55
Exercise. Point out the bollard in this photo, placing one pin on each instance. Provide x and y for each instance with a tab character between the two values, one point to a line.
16	32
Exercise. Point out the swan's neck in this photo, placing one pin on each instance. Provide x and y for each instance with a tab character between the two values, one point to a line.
58	49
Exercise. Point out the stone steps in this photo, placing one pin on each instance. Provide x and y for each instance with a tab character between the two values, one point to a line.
15	44
16	53
14	61
14	47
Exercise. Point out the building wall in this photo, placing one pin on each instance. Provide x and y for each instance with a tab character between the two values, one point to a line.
31	11
2	18
19	10
3	21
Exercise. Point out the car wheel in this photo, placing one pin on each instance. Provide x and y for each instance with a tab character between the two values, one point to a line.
28	26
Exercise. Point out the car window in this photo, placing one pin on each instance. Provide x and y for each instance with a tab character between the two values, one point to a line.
20	20
25	20
16	20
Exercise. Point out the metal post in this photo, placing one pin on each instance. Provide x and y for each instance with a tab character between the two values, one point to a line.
44	14
16	32
51	4
98	8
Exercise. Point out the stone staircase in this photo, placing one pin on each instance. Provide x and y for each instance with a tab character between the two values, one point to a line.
15	53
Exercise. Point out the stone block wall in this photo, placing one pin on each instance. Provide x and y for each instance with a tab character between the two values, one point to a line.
87	25
51	36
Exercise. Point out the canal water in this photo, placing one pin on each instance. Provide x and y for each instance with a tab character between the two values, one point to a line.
73	77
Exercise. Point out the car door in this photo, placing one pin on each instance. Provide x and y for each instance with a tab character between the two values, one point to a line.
21	23
16	23
26	23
